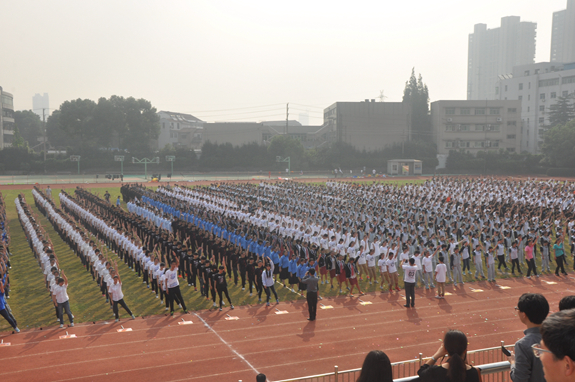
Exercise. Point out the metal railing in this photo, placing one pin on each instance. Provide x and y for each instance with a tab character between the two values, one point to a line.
492	362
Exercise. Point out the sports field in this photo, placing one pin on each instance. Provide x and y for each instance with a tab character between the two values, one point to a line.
280	345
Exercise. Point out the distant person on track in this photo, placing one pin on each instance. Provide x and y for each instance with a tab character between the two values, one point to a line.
376	368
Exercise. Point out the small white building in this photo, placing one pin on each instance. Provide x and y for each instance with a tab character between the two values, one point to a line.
404	167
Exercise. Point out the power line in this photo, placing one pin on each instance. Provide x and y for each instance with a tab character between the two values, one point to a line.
239	108
244	112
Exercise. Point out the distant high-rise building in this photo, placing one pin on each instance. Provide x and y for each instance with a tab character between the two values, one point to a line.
6	119
40	102
493	52
563	34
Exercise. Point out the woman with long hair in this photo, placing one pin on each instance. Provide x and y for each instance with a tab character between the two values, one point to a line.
376	368
454	368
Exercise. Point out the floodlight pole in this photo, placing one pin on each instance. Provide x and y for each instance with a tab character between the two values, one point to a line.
286	159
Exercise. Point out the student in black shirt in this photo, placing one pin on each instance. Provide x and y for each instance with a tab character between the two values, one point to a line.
258	279
222	286
207	279
201	271
213	282
243	266
234	260
251	270
193	270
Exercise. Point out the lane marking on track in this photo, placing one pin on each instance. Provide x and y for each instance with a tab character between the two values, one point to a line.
227	344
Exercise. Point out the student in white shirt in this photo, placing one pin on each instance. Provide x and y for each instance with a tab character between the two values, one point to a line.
173	286
477	259
409	271
60	291
371	259
115	291
382	265
427	265
440	273
392	271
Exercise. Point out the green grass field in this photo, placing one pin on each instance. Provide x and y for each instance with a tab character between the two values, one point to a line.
32	306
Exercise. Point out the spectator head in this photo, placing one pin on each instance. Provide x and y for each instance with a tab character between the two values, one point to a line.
532	308
455	343
60	281
261	378
441	259
567	302
311	272
557	346
376	368
412	261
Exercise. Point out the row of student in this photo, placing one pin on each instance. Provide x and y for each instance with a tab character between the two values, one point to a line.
212	278
152	260
458	258
147	262
516	251
454	228
105	273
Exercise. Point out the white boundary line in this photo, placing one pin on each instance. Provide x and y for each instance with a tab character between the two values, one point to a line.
227	344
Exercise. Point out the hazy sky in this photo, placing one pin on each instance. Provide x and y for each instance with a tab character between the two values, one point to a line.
207	57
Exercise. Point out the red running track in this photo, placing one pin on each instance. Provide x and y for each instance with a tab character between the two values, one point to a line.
280	345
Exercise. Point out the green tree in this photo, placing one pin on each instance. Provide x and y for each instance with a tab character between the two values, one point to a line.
87	126
416	95
29	125
17	139
559	145
562	111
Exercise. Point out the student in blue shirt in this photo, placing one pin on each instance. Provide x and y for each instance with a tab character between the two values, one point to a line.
284	265
559	254
3	311
293	264
274	256
301	271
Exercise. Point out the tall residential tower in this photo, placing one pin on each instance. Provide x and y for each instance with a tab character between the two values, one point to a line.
563	34
493	52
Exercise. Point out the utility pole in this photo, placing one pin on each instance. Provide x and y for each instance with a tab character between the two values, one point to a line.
287	116
44	123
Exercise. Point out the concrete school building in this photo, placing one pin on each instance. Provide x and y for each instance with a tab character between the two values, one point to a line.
6	119
476	126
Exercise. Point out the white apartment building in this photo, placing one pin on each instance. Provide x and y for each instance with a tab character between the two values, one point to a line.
496	51
476	126
179	130
563	34
6	119
537	87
